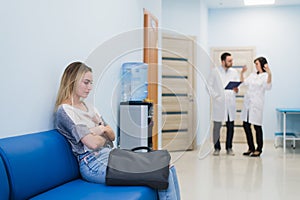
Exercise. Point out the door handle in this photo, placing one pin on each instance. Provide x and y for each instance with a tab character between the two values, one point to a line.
191	98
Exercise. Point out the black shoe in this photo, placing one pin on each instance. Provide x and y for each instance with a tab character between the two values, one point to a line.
247	153
216	152
230	152
255	154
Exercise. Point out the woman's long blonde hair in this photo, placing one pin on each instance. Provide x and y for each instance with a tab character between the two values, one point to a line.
71	76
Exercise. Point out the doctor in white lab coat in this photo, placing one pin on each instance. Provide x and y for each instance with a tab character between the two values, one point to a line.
252	112
223	101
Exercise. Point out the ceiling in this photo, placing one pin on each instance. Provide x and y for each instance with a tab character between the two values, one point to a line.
240	3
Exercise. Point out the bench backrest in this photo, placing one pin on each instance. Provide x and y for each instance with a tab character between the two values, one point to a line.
37	162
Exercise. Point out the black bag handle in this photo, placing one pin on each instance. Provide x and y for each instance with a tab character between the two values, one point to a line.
141	148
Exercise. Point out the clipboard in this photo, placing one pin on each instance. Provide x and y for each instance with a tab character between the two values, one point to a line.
232	84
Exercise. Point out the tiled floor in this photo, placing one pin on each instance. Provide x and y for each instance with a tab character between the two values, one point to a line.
274	175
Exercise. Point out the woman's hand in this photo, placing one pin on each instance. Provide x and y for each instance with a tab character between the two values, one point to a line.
98	130
98	137
267	69
244	69
102	130
242	73
93	141
109	133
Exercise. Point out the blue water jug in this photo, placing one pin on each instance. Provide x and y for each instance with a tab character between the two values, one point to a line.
134	81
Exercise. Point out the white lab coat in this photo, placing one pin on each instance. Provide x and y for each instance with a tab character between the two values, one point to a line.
223	101
254	97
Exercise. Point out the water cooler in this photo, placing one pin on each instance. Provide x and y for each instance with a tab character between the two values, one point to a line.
135	115
135	124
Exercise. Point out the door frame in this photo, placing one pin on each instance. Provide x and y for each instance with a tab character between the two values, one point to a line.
151	58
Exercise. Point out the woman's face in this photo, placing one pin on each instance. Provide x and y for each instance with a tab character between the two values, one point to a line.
84	85
258	66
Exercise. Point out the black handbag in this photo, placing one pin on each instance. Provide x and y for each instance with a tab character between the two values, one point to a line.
132	167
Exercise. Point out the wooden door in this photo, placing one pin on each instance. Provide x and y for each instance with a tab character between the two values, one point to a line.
241	56
151	58
177	93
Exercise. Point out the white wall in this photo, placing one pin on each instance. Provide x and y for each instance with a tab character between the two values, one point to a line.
40	38
181	16
275	34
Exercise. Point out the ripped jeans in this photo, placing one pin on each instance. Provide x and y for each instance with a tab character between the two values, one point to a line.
93	169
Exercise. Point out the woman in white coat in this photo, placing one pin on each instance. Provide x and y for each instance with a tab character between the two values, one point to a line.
252	112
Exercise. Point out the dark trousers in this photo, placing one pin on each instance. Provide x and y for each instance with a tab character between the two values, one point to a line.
259	136
229	134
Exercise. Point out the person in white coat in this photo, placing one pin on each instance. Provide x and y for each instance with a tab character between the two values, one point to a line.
223	101
252	112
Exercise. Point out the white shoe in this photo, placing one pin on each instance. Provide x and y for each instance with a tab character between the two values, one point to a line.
216	152
230	152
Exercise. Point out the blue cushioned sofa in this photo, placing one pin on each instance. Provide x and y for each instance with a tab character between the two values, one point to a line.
41	166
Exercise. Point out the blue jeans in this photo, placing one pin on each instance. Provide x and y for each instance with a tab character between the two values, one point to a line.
173	192
93	169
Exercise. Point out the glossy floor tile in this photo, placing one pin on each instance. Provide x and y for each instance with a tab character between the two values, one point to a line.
274	175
